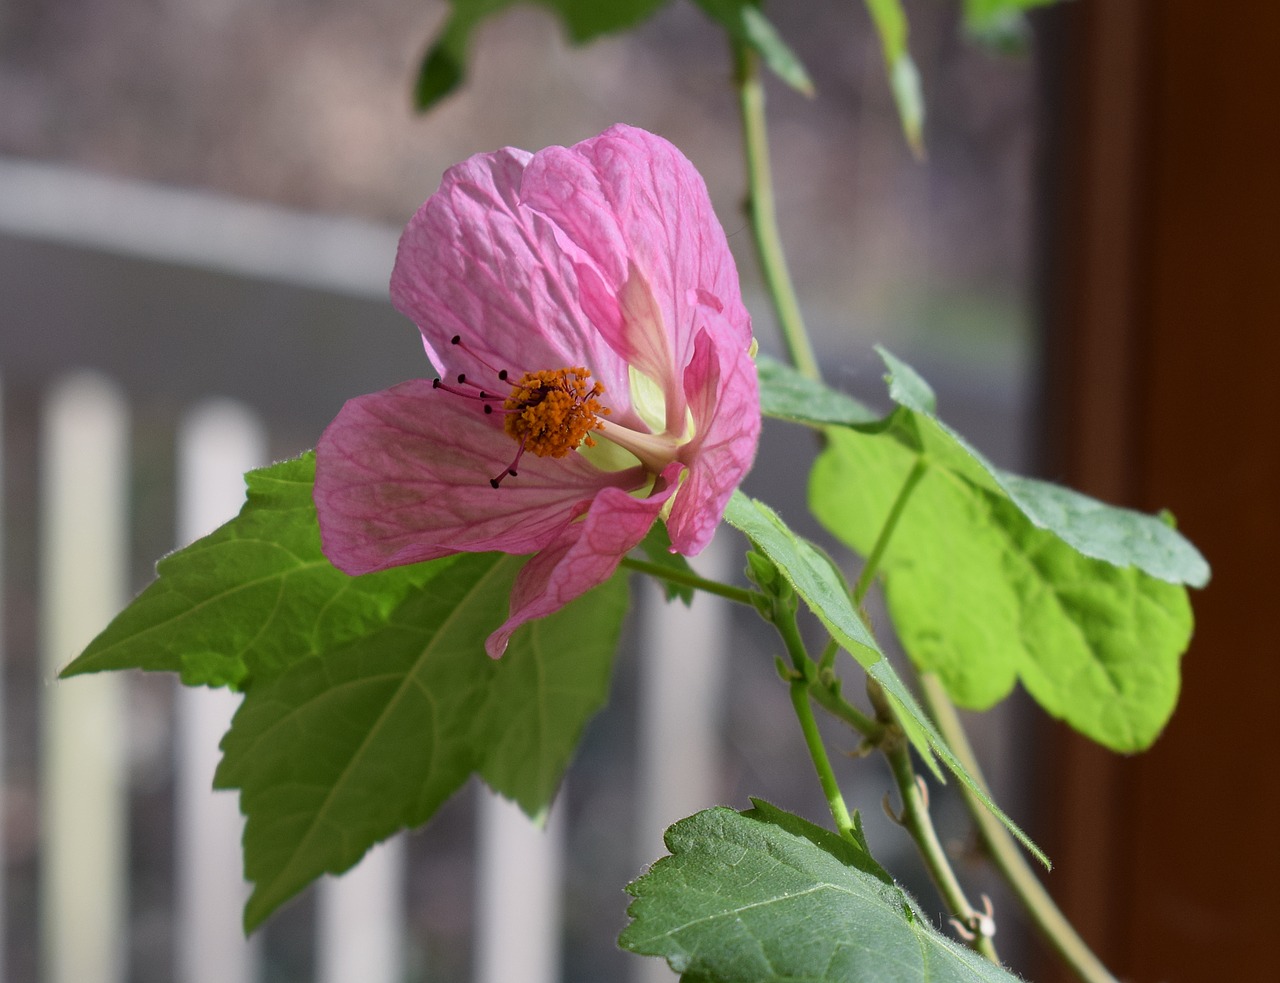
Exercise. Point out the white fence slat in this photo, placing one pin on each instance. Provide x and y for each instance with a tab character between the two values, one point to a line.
217	442
360	921
682	668
83	570
518	931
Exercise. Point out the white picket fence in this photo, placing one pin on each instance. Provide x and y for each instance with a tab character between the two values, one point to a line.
360	934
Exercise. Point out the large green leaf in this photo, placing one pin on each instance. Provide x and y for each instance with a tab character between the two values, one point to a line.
252	597
765	897
991	578
815	579
340	751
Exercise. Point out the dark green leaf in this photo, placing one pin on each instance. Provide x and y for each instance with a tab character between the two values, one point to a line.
252	597
343	750
746	25
815	578
761	897
788	395
992	578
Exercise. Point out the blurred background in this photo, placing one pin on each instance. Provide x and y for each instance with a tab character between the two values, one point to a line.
201	200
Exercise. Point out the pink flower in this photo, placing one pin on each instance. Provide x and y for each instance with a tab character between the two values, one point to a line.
583	311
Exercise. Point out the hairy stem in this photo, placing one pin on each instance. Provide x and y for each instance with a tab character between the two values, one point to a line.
917	821
764	220
1004	852
671	575
802	679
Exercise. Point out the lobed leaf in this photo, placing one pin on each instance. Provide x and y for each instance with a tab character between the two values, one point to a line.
991	578
763	896
251	598
340	751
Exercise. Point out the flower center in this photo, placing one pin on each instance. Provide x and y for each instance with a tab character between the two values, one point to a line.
553	411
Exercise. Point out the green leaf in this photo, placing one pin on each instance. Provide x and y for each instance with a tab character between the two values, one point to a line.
657	547
999	23
992	578
790	395
445	64
816	580
904	79
1122	537
251	598
341	751
764	897
747	25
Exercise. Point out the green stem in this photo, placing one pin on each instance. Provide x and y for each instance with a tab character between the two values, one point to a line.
739	594
830	700
868	575
764	220
1003	851
801	681
918	823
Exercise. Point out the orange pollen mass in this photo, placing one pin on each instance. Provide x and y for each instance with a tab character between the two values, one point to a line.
552	411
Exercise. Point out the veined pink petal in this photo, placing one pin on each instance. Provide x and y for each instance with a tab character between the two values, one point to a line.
585	554
628	197
403	476
475	262
724	400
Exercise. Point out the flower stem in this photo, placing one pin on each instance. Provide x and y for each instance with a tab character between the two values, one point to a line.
688	579
869	569
801	680
1003	851
918	823
764	220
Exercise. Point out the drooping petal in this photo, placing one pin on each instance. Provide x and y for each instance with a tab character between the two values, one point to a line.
628	198
475	262
585	554
403	476
724	401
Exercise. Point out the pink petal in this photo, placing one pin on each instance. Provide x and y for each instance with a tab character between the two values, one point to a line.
630	199
585	554
403	476
724	399
475	263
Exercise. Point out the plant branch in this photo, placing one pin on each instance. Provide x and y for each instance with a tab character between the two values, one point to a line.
739	594
764	220
1004	852
918	823
801	679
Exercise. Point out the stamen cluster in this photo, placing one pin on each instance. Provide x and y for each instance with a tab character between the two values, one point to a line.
552	411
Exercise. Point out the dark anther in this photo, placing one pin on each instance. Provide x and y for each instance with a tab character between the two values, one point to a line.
455	339
493	483
512	472
502	376
488	408
462	377
483	394
435	383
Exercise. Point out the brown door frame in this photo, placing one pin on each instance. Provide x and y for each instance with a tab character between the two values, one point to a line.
1162	307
